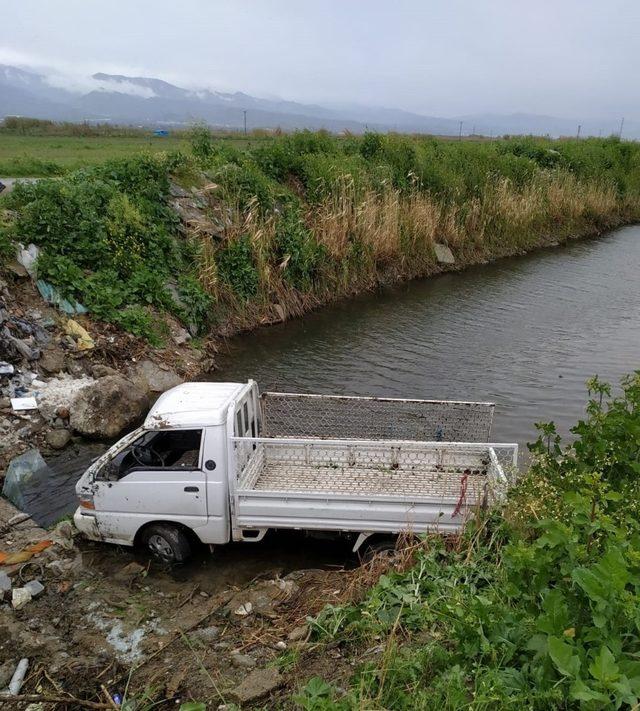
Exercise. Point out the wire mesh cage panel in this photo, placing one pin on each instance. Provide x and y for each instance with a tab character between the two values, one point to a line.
366	468
336	416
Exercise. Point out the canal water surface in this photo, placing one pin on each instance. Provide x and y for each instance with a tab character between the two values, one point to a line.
524	333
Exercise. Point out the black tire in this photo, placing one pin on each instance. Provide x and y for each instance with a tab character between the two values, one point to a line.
383	547
167	543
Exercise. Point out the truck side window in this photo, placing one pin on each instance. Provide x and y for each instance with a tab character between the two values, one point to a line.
245	412
166	449
238	424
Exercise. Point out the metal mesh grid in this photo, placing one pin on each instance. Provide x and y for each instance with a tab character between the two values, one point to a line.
390	469
332	416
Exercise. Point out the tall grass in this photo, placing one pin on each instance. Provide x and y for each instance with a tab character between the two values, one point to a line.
299	220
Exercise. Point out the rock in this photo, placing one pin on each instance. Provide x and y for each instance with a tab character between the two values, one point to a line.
107	406
243	610
34	587
129	571
280	645
5	403
6	672
101	371
63	413
5	587
206	634
58	439
256	685
19	598
298	633
242	660
52	360
443	254
154	378
180	336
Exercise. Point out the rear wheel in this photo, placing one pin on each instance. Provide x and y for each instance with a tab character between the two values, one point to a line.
167	543
384	548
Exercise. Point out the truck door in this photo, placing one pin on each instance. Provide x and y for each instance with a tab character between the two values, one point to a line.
158	477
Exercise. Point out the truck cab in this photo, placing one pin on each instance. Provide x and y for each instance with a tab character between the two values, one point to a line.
165	484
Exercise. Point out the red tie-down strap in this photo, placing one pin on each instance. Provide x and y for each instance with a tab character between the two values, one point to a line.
463	492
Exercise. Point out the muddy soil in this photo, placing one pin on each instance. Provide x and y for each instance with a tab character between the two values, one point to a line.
111	619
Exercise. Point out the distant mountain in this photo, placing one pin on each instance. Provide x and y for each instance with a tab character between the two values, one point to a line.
149	101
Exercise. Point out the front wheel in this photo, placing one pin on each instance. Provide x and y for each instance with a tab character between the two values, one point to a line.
167	543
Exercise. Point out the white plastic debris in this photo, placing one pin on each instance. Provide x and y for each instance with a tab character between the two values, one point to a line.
6	368
18	677
19	598
28	257
24	403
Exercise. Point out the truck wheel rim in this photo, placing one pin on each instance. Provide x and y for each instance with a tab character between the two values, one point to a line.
160	547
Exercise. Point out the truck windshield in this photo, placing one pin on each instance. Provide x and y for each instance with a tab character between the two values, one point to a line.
165	449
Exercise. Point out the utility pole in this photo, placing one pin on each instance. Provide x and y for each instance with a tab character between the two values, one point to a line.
579	127
473	131
244	111
460	131
621	127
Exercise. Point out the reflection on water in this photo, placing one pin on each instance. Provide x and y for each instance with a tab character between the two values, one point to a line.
525	333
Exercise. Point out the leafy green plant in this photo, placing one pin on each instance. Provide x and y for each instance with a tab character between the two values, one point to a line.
236	267
538	610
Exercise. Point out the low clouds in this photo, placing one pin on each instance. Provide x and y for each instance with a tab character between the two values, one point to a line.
442	57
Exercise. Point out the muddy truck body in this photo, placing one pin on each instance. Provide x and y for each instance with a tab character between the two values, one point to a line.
218	462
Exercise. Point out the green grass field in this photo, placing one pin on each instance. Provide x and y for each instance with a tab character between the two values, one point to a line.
22	156
37	155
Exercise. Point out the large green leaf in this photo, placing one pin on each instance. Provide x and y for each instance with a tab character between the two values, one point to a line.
604	667
563	656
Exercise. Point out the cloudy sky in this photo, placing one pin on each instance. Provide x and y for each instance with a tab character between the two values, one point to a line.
438	57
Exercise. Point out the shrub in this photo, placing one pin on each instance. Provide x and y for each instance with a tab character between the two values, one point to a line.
236	267
297	252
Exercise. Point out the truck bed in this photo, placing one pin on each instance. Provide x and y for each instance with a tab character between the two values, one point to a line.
363	485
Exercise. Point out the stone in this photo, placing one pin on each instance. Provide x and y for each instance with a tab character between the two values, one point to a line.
443	254
63	413
58	439
5	403
107	406
154	378
206	634
5	587
257	684
34	587
243	661
280	645
129	571
243	610
6	672
180	336
52	360
19	598
101	371
298	633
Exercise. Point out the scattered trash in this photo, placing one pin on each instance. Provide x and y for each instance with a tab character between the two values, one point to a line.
19	598
27	257
21	473
84	342
52	296
18	677
24	555
24	403
35	588
6	368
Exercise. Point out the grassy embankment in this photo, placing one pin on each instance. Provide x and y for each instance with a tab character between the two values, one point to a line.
296	221
535	609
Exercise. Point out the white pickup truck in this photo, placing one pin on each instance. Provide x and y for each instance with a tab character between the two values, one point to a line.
217	462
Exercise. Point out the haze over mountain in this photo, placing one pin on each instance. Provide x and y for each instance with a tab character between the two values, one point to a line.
122	99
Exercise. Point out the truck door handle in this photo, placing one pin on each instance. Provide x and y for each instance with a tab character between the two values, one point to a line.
191	488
